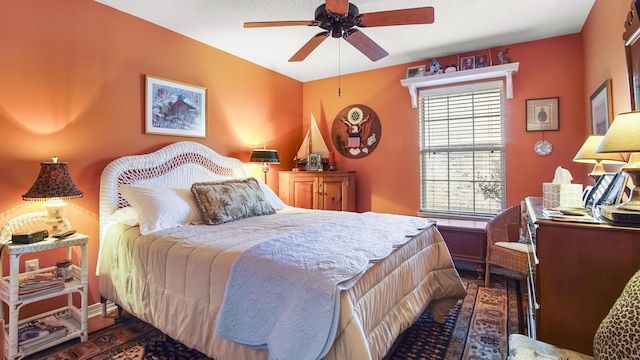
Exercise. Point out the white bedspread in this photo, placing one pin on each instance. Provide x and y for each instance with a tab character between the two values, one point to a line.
175	280
300	276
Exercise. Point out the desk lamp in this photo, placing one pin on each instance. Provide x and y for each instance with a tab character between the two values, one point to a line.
266	157
588	154
624	136
53	185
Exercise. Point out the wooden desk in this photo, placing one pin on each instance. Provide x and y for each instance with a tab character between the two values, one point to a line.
582	271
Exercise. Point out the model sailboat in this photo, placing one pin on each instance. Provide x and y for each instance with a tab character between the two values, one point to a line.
313	143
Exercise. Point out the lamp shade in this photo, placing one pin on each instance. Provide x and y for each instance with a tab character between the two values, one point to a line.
623	134
53	181
265	156
588	154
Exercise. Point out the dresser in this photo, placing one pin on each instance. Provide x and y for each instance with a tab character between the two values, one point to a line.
582	269
322	190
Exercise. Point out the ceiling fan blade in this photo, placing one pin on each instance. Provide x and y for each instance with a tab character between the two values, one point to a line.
424	15
256	24
309	47
363	43
338	7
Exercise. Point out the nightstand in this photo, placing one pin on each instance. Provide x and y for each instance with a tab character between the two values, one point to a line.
324	190
72	317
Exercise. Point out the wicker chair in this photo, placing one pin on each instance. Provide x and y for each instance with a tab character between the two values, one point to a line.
503	248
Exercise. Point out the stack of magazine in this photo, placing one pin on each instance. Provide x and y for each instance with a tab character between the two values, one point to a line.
35	332
40	283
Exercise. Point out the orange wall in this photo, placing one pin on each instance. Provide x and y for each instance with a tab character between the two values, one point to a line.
388	179
71	85
604	55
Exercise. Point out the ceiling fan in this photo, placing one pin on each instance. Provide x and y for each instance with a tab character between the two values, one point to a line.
339	18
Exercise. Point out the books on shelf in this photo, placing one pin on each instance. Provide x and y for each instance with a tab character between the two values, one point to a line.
39	282
38	331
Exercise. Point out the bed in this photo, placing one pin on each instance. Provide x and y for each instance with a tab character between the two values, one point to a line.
237	289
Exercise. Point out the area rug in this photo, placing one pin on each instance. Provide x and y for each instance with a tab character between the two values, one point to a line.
477	327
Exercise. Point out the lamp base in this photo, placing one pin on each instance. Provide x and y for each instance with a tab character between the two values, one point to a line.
598	170
55	208
633	170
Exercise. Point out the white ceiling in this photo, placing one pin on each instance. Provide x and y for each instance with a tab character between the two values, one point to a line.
460	26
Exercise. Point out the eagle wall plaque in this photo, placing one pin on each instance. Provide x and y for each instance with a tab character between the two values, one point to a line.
356	131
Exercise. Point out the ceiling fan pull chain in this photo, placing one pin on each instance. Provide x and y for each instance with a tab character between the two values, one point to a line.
339	71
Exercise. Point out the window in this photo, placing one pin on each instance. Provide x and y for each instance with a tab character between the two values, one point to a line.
461	151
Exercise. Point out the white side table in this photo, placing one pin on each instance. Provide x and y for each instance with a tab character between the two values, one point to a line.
74	318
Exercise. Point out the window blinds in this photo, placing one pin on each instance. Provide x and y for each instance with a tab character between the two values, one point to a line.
461	144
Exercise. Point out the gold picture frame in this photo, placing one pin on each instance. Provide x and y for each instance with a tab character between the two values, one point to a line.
601	108
175	108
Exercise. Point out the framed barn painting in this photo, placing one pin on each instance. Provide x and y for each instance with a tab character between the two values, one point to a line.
174	108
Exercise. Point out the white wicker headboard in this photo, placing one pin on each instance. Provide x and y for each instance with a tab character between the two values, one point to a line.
177	165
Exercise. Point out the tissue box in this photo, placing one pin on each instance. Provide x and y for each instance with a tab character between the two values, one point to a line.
561	195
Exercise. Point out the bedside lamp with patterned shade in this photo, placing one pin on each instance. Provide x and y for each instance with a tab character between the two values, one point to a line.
588	154
54	185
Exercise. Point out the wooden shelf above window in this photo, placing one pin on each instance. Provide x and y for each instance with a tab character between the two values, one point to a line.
490	72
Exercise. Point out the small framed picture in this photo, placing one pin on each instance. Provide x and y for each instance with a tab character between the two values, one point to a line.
314	162
601	109
482	61
415	71
542	114
468	63
174	108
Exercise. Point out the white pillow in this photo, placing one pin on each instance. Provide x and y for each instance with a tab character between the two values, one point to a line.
160	207
126	215
271	197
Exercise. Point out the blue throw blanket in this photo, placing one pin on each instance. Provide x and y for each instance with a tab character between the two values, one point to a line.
284	294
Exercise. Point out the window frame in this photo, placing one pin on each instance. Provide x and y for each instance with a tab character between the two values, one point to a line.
451	90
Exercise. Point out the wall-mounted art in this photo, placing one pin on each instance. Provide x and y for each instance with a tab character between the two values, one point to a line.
356	131
174	108
601	109
542	114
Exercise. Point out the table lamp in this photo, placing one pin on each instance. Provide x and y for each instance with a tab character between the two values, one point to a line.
266	157
624	136
53	185
588	154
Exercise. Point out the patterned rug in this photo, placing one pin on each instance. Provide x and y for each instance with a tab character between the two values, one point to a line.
476	328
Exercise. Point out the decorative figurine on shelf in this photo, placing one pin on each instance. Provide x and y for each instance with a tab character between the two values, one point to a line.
451	68
434	68
503	58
